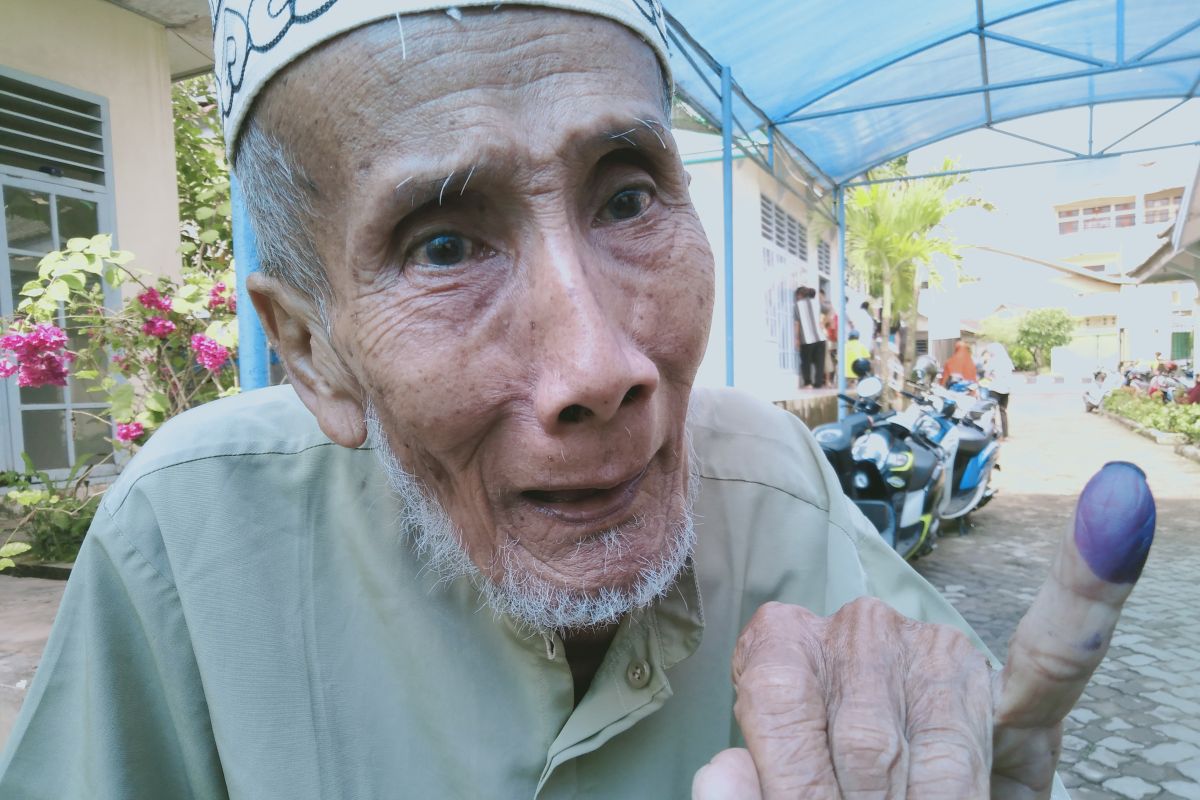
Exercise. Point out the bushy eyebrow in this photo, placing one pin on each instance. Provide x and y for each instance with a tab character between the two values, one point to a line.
638	133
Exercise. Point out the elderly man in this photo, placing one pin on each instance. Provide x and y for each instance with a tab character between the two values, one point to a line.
483	271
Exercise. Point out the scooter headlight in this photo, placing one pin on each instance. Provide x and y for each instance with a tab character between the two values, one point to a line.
873	448
895	481
827	435
898	461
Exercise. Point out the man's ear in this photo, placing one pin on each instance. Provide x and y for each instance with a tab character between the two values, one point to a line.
318	375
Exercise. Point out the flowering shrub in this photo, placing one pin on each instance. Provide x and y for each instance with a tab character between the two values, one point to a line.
1154	413
165	350
41	356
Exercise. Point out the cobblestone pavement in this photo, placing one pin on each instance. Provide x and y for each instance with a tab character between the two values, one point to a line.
1136	731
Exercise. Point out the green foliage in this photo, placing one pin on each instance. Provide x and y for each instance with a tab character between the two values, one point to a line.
1154	413
145	375
53	515
892	233
1021	357
10	550
205	212
1042	329
1003	328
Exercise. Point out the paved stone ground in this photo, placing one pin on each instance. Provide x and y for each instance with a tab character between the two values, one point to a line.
1136	731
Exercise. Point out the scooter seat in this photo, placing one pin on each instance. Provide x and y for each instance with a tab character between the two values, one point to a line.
971	440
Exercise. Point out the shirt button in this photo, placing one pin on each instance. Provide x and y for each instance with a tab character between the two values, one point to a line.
638	674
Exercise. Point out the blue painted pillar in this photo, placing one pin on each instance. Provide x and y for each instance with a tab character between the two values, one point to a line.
252	342
727	182
839	295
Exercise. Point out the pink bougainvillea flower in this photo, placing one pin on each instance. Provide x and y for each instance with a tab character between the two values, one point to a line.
129	431
216	295
152	299
158	327
41	356
209	354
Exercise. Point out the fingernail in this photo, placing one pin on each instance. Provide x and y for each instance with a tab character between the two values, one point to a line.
1114	522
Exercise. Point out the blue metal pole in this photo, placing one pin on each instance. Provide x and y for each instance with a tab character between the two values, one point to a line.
252	342
839	296
771	147
727	182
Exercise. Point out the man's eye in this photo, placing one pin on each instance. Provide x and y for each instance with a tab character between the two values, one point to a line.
444	250
627	204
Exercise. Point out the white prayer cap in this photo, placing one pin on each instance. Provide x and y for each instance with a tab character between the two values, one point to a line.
254	39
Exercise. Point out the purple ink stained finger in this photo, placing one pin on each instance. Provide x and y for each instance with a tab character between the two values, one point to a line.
1114	522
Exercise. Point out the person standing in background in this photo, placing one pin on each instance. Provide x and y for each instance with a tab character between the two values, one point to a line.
810	338
998	369
830	319
862	321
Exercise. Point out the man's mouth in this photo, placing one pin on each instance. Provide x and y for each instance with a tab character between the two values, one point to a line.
587	504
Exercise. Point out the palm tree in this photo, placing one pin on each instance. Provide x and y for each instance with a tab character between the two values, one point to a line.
890	238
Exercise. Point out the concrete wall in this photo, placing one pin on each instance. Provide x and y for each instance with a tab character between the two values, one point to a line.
99	48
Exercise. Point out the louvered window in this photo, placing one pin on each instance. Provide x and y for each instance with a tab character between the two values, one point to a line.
782	229
823	259
52	133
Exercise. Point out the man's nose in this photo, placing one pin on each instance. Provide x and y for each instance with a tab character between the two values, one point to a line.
591	365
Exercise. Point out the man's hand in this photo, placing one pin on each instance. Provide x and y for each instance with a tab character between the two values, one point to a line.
867	703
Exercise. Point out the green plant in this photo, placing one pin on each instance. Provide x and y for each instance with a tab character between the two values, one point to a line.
1154	413
1021	357
891	237
1043	329
53	515
10	550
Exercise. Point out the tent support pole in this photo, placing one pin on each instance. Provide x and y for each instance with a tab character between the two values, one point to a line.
252	342
727	186
839	297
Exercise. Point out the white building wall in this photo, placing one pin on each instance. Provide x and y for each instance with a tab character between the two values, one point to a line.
765	278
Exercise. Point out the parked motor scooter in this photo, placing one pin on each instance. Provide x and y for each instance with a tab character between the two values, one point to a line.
969	452
895	478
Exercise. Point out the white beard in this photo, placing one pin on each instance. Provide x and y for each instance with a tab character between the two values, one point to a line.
527	598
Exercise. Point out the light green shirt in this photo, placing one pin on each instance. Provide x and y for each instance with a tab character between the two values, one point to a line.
245	622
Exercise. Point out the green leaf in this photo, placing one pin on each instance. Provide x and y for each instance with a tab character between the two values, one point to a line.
225	209
102	245
6	563
77	260
78	244
120	401
121	257
204	213
157	401
33	289
58	291
14	549
187	248
209	236
73	281
87	374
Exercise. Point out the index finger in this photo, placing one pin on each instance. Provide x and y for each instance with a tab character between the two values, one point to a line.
1065	634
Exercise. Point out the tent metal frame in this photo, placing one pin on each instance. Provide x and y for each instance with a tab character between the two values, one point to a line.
777	138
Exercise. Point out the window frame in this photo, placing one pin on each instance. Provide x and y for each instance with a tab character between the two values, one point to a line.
101	194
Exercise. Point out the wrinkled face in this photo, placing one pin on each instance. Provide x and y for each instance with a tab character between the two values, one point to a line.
521	285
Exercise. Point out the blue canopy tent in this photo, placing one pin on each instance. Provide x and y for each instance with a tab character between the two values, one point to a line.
838	87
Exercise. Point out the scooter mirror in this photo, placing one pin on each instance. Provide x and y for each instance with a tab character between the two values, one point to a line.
870	388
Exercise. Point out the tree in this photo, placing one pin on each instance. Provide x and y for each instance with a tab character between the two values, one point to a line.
890	237
1043	329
